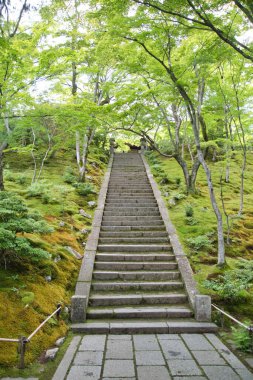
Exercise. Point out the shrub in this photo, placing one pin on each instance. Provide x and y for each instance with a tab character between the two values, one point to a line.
85	189
8	176
21	179
165	181
241	337
233	285
179	196
199	242
178	181
36	189
16	220
69	176
190	221
189	211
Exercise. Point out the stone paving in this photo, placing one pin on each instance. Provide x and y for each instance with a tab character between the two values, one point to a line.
152	357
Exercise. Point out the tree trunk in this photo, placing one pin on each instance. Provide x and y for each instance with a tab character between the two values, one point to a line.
242	181
221	244
2	148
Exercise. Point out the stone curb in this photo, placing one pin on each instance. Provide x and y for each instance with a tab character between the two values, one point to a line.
82	291
62	370
201	304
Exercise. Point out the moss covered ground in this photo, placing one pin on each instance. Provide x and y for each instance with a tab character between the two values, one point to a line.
195	222
30	292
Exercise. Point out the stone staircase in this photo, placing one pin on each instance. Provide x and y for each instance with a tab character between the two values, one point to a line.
136	285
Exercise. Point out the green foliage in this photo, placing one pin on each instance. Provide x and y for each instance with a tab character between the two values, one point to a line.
178	181
241	337
200	242
21	179
190	221
85	189
9	176
189	211
69	176
37	189
233	285
179	196
41	190
15	221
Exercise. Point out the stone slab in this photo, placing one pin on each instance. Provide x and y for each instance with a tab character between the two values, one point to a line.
78	308
216	342
119	368
220	372
197	342
153	372
93	343
89	358
184	368
149	358
145	343
232	360
175	349
119	349
208	358
84	372
245	374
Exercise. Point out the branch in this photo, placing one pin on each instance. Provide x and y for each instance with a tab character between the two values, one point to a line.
245	10
24	8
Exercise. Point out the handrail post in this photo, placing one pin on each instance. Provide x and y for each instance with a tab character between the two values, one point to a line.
59	311
22	349
251	337
222	319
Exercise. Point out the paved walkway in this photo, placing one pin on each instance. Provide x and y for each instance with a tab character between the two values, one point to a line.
150	357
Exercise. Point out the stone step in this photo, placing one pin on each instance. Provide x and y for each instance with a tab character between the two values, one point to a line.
131	234
133	247
134	198
125	207
132	223
125	228
115	286
134	257
136	275
109	205
147	211
134	266
130	190
132	218
133	240
145	327
136	299
129	181
155	312
130	184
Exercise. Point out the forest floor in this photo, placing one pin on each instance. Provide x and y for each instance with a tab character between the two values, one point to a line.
29	292
194	220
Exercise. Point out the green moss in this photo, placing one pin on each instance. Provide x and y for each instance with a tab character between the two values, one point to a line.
26	298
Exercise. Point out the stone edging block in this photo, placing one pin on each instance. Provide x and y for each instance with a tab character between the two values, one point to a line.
80	300
201	304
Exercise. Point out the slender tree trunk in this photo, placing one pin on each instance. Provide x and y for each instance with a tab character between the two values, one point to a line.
244	161
2	148
34	158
